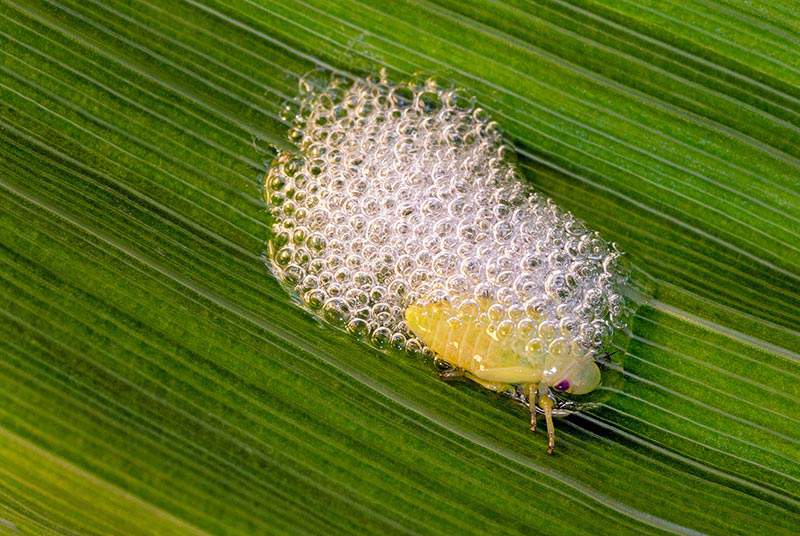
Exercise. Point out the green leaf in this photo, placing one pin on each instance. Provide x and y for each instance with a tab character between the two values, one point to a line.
154	378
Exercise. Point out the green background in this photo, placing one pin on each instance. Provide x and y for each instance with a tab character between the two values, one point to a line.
155	379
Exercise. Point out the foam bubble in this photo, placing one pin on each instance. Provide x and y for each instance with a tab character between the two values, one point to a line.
404	194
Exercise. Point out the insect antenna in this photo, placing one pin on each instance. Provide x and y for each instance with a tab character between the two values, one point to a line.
605	359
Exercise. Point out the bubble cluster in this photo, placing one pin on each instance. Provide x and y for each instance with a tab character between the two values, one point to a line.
404	194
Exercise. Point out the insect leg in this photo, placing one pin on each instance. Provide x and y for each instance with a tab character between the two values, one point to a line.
546	403
454	374
531	390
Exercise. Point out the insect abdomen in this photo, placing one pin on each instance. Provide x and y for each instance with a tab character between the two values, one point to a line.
467	344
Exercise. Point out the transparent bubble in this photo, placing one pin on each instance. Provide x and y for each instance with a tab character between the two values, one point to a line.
404	194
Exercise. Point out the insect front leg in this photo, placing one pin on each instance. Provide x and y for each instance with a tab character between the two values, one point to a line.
539	395
531	393
453	374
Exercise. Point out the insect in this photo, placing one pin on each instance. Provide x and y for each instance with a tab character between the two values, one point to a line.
402	219
470	346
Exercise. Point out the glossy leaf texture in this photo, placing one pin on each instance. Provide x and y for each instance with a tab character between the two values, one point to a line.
155	379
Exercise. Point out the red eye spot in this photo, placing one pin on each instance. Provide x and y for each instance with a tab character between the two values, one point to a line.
563	385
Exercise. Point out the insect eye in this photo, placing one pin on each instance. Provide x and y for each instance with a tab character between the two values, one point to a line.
563	385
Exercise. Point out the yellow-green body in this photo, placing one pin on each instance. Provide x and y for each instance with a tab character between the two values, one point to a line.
498	362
